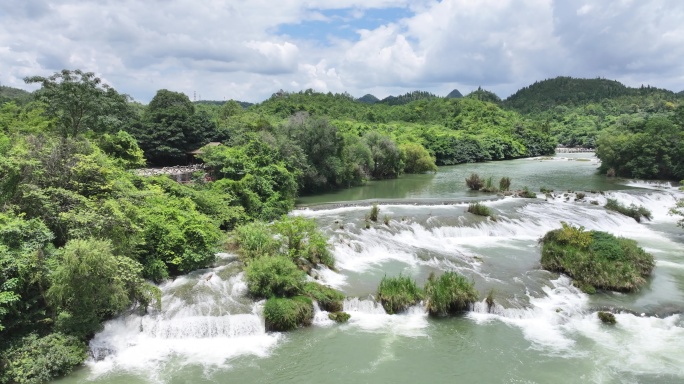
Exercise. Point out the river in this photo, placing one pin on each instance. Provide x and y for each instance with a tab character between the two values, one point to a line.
541	330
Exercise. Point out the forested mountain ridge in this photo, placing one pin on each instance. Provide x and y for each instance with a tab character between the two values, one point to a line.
20	96
571	92
368	99
407	98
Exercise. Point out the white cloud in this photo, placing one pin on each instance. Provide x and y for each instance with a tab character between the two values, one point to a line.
231	49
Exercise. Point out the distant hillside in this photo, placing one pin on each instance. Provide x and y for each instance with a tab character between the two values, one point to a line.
16	94
680	94
484	95
455	94
407	98
568	91
368	99
244	104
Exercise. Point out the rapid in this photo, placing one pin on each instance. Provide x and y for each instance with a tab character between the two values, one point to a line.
541	329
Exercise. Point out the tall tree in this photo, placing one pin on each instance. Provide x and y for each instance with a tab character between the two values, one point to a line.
79	102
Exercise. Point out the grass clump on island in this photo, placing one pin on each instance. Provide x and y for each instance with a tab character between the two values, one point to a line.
283	314
479	209
607	317
526	193
633	211
596	260
396	294
444	295
277	257
449	293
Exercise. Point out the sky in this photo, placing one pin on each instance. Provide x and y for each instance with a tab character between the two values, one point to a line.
249	49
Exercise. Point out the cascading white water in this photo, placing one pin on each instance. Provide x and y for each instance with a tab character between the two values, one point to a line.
208	321
205	319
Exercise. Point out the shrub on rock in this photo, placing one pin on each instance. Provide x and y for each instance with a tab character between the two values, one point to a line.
596	260
286	314
396	294
449	293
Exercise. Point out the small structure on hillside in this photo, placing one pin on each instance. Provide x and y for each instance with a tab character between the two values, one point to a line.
192	155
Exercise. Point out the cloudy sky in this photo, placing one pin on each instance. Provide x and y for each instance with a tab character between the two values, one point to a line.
249	49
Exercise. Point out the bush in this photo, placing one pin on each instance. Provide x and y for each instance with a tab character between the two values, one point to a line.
596	260
417	159
274	276
375	210
255	240
328	299
448	294
340	317
304	241
489	186
526	193
633	211
396	294
479	209
296	237
474	182
40	359
607	317
287	314
505	184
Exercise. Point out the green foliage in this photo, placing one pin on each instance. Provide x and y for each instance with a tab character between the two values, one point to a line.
90	284
295	237
283	314
170	127
484	95
274	276
505	184
474	182
604	262
124	148
489	186
328	298
479	209
449	294
256	175
526	193
396	294
36	360
633	211
606	317
385	155
25	252
79	102
256	239
339	317
417	159
374	213
651	148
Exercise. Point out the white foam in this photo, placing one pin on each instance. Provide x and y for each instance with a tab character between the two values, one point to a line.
369	316
200	323
544	323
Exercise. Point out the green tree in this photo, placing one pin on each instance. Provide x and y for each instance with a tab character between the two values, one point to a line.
90	284
417	159
386	156
171	127
79	102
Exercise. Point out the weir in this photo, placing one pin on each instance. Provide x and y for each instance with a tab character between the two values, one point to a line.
208	326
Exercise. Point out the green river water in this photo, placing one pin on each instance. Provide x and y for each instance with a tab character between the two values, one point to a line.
542	330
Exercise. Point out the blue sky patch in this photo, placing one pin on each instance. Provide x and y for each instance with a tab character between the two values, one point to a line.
342	23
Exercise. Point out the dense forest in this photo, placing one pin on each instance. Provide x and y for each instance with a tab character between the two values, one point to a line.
83	234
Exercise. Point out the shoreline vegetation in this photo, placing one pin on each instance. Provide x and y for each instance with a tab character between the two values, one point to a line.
83	238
